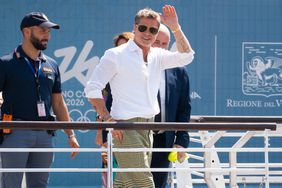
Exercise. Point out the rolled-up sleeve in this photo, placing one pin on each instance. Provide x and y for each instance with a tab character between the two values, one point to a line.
175	59
101	75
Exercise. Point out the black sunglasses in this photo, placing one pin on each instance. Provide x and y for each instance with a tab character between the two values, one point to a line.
143	28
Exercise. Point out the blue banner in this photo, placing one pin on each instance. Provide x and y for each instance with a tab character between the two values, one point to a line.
237	68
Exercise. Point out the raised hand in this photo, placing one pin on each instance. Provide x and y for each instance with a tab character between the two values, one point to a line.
169	17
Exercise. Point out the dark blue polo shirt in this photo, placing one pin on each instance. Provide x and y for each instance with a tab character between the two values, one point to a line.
18	84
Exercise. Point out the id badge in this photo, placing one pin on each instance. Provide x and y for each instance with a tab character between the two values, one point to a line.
41	109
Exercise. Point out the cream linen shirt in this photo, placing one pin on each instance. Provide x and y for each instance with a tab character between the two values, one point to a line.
134	83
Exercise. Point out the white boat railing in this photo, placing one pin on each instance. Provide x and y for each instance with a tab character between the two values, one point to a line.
209	170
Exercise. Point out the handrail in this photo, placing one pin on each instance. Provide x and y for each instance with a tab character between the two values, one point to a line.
44	125
191	150
276	119
243	150
213	123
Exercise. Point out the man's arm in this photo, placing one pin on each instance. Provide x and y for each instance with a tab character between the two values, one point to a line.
61	111
183	113
183	108
184	104
169	17
100	107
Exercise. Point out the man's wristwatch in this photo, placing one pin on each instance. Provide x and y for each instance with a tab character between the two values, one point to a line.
99	118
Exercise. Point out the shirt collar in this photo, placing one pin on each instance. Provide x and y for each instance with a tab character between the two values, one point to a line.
132	46
19	53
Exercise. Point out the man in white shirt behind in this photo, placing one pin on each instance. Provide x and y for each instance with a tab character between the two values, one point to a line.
134	73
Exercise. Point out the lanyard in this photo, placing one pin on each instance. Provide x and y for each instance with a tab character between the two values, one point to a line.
36	72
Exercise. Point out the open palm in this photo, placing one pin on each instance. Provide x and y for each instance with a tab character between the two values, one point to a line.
169	17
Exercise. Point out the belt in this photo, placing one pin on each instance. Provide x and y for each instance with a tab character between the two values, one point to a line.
137	119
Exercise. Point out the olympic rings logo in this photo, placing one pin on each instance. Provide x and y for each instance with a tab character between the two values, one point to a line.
77	115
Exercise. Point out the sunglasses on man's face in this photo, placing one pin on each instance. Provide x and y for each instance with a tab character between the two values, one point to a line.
143	28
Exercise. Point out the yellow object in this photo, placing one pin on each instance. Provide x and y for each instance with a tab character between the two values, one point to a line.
172	157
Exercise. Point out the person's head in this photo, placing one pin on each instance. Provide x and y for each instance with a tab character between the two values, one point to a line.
36	28
163	38
123	38
147	23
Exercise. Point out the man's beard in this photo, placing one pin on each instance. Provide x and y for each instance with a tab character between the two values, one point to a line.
37	43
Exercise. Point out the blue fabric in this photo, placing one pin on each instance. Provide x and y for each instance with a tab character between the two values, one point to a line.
26	139
17	82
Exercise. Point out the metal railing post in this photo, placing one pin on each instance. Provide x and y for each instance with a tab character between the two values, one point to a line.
266	157
110	179
233	174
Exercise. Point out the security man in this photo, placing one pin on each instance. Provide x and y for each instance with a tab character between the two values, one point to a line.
31	86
